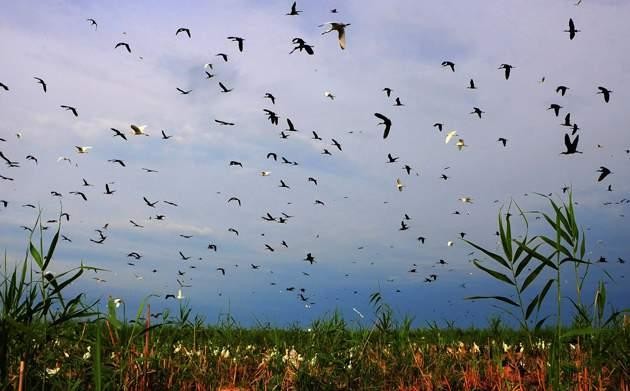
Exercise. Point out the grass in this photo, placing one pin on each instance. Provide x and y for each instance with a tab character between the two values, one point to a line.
49	342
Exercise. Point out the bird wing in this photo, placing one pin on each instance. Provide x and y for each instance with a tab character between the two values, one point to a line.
342	38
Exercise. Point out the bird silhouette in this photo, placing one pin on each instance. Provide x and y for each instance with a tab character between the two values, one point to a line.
572	30
183	30
386	121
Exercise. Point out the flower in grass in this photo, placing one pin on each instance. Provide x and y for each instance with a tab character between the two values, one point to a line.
88	354
52	371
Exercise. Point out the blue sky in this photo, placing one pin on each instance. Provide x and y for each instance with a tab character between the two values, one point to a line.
397	44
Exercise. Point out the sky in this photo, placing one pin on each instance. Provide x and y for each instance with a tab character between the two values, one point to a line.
355	236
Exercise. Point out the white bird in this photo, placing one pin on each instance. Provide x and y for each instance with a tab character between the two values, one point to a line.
18	135
466	200
180	295
449	243
265	173
329	94
81	149
341	30
399	184
60	158
449	136
460	144
138	130
358	313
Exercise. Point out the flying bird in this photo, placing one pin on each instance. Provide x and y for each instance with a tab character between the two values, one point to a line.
398	102
294	11
224	89
450	135
604	172
478	111
606	92
225	123
572	30
81	149
555	107
223	56
117	161
561	90
164	136
138	130
70	108
42	82
123	44
450	64
386	121
93	23
183	92
399	184
183	30
4	86
300	45
507	68
239	40
118	133
329	94
471	85
234	199
81	194
149	203
438	125
271	98
341	30
502	140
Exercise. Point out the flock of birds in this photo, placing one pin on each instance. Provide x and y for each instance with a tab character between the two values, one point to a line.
571	143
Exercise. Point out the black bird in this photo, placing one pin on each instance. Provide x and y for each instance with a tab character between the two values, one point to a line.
79	194
33	158
233	231
606	92
55	194
235	163
149	170
268	247
223	55
575	129
336	144
300	45
562	90
449	64
108	190
291	127
388	91
169	296
271	98
386	121
282	184
502	140
72	109
555	107
318	202
392	159
507	68
123	44
571	146
6	178
567	120
285	244
224	88
183	92
268	217
183	30
403	226
164	136
326	152
443	176
42	82
239	40
315	136
604	172
212	247
4	86
222	270
478	111
117	161
572	30
224	123
311	179
310	258
149	203
93	23
65	238
209	75
398	103
438	125
119	134
471	85
136	224
271	116
234	199
272	155
407	168
134	255
294	11
185	258
254	266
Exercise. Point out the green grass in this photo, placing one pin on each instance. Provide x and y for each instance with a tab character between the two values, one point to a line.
67	344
